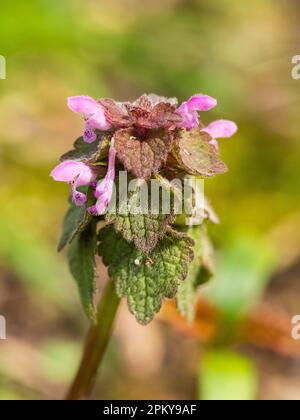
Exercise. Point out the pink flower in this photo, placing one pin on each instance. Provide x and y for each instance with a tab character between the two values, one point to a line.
220	129
188	110
105	186
76	174
93	114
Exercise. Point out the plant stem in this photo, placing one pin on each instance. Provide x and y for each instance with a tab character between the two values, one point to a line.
95	345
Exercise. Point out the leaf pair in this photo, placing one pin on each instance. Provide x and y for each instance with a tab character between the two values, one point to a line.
145	280
144	157
147	112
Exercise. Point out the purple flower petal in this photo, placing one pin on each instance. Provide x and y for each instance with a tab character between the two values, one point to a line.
98	120
93	114
89	134
190	118
84	105
78	197
188	110
201	102
105	187
72	171
221	129
93	210
76	174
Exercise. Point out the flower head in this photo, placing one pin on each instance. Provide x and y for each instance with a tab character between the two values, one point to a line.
76	174
146	113
93	114
105	186
142	135
188	110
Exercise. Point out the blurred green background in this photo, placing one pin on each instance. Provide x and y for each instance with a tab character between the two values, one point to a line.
238	52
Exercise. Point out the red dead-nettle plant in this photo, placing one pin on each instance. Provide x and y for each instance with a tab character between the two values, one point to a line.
150	255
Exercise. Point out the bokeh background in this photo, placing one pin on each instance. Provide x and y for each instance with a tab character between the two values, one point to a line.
239	52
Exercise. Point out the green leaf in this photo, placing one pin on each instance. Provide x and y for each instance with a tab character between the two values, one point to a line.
145	280
143	157
227	376
89	152
196	155
144	230
201	270
81	257
75	221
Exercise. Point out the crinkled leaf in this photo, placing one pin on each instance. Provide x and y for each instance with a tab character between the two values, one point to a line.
144	102
115	113
143	157
200	271
149	101
145	280
149	111
81	257
162	115
139	217
89	152
196	155
75	221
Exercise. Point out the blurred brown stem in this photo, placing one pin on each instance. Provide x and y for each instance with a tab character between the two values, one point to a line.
95	345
